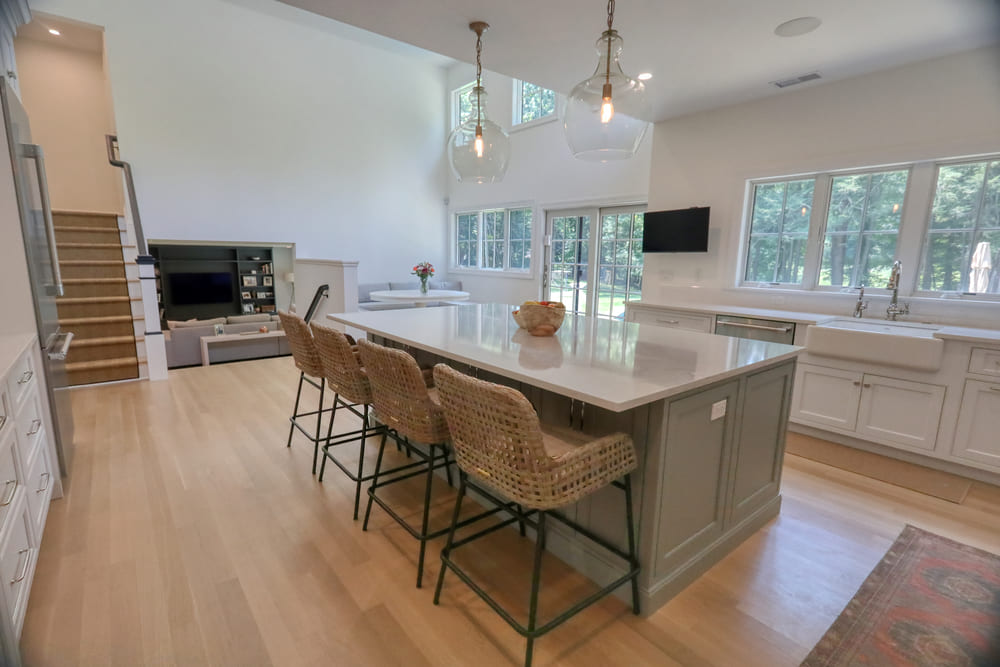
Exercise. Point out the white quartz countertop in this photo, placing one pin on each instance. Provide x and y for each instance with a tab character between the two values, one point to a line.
11	347
969	335
608	363
720	309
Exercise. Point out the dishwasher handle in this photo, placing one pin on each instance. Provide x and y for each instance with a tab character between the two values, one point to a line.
761	327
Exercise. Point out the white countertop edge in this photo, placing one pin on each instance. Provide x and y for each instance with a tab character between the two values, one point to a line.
968	334
568	391
12	346
720	309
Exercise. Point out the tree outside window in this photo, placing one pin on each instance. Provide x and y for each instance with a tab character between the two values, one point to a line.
535	102
962	249
779	229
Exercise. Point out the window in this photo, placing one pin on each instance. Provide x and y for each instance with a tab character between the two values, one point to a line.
532	102
463	104
962	248
494	239
779	229
862	226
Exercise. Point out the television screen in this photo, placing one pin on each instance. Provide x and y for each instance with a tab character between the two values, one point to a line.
188	289
683	230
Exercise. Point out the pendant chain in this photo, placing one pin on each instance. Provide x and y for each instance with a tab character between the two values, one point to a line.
479	75
611	20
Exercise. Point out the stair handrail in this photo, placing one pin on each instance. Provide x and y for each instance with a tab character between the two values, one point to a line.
133	202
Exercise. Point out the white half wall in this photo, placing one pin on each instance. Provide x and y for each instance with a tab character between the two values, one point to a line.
544	175
945	107
249	120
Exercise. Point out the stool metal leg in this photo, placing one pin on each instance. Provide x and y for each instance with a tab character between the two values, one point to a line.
378	468
451	535
631	542
536	575
295	410
361	463
427	511
319	422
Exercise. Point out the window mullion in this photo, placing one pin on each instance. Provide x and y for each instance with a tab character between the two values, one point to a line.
859	244
914	224
817	230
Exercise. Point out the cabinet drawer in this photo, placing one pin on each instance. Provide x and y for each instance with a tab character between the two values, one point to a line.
21	379
10	478
39	487
986	362
30	425
673	319
17	562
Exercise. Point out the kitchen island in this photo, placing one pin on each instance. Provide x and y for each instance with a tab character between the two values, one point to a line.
707	414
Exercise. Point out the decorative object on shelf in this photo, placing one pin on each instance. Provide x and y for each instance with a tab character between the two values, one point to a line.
246	296
268	309
249	281
254	259
604	114
268	281
248	309
479	149
540	318
219	329
423	270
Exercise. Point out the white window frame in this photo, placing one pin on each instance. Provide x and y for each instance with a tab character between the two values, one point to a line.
456	96
913	227
481	241
517	109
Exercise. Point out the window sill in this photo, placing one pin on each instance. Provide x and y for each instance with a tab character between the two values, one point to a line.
492	273
920	297
534	123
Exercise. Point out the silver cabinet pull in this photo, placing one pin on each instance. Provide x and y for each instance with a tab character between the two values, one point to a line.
669	321
36	426
867	385
8	495
26	377
45	487
857	383
24	568
994	388
744	325
3	420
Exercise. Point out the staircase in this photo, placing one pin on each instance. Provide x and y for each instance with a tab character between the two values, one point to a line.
98	303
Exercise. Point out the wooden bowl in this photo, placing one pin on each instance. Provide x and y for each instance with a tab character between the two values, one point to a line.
540	320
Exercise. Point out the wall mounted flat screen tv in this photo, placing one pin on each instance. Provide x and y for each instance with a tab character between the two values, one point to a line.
683	230
188	289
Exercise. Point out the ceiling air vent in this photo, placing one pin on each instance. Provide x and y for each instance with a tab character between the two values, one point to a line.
795	80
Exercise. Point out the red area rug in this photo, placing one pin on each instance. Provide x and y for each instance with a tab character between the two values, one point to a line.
930	602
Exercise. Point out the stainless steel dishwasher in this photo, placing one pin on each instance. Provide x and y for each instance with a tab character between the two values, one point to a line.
774	331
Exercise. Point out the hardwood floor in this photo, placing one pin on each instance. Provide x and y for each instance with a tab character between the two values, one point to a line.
191	536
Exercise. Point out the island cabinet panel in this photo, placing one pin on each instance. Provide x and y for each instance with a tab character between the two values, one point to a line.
693	476
760	440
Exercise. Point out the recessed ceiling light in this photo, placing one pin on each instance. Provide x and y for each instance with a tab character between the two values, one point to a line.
53	31
799	26
645	76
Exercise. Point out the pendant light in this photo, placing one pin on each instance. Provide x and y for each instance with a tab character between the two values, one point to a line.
603	115
479	149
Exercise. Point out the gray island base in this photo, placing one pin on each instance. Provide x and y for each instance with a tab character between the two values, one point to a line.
707	414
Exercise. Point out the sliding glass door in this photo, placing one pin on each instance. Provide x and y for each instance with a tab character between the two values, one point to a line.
574	266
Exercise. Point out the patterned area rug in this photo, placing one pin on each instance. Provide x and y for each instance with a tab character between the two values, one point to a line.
930	602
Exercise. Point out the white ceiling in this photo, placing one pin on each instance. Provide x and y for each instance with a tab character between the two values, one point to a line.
702	53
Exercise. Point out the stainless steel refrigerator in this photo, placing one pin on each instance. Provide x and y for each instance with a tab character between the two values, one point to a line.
28	162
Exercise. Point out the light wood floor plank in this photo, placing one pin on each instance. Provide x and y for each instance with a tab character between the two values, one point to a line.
190	535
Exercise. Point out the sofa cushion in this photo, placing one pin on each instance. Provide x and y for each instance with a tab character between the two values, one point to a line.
365	289
245	319
186	324
445	284
415	284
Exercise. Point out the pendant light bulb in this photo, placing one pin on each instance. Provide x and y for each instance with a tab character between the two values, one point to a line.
597	127
478	149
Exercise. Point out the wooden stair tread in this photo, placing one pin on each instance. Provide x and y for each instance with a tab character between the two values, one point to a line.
78	300
101	363
103	340
104	319
75	244
99	230
92	262
87	214
97	281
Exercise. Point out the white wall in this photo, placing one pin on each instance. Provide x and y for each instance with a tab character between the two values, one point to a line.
65	94
249	120
543	174
945	107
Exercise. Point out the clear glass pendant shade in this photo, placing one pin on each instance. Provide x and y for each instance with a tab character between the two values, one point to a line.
483	161
606	127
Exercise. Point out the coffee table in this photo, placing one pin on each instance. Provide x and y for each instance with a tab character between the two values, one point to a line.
233	339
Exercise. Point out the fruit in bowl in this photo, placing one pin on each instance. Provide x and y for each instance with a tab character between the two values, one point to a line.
540	318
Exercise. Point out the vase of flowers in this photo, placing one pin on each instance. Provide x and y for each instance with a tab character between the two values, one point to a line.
423	270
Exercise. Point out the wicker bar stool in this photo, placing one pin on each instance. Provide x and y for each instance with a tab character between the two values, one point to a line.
307	360
501	447
411	414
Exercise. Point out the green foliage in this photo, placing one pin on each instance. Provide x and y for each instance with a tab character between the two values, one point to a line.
536	102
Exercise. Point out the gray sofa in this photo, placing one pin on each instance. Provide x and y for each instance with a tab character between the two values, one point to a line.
365	302
183	340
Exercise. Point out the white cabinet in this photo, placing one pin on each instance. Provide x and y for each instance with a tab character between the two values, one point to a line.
977	437
886	410
826	396
900	412
673	319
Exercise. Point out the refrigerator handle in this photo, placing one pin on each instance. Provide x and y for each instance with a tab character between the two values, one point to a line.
35	152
